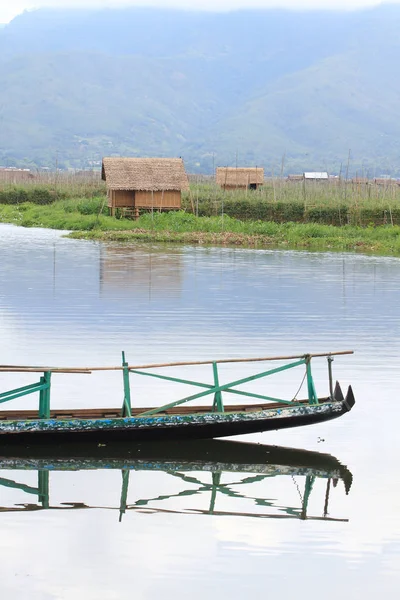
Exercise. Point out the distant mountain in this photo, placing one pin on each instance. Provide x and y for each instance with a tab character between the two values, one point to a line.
274	88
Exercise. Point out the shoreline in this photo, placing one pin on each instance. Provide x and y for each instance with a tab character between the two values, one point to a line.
84	220
237	240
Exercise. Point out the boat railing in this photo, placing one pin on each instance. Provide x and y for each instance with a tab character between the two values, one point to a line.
216	389
192	485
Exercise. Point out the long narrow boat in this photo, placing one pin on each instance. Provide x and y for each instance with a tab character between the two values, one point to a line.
170	421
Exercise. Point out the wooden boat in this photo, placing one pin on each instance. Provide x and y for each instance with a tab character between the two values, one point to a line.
197	466
170	421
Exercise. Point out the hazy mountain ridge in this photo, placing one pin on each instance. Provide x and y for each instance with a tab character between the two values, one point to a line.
257	84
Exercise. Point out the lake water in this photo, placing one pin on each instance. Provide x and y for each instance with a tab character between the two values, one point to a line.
225	520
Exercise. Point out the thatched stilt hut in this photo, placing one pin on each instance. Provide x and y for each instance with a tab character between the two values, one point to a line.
144	183
240	178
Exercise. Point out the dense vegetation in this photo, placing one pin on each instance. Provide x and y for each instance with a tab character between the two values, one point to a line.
279	201
258	219
292	91
185	228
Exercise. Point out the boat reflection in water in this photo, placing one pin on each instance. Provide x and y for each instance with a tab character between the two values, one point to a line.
207	470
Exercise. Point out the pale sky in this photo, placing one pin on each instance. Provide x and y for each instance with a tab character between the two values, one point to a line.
10	8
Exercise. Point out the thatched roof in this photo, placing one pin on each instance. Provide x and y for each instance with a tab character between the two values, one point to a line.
144	174
233	176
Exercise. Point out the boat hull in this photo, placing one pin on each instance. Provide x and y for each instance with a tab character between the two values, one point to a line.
169	427
199	455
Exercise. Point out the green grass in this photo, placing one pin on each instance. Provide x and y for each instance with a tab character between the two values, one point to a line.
188	229
334	203
86	218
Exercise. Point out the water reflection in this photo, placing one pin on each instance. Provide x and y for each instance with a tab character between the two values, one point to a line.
141	273
235	475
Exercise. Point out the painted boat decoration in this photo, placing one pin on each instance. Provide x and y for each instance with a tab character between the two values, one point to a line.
205	471
170	421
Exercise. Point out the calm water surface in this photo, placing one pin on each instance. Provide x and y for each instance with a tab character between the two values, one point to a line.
228	521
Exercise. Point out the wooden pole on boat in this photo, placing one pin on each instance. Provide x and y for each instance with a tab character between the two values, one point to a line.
330	361
86	370
44	396
126	407
21	369
218	404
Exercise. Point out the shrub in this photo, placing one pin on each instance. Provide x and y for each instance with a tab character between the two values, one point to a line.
14	196
41	196
92	206
35	195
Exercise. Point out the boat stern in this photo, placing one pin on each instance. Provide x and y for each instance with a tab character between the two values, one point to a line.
347	402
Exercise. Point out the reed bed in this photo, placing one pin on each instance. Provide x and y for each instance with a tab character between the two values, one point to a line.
332	203
335	202
59	185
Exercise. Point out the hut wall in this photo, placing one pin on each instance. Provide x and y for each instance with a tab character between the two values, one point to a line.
166	199
138	199
121	198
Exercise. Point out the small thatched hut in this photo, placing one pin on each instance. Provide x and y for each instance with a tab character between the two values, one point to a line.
144	183
232	178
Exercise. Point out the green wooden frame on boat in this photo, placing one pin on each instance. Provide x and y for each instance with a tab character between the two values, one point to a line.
172	420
